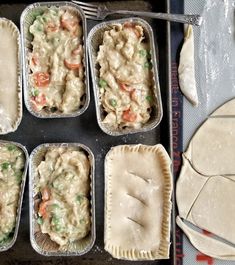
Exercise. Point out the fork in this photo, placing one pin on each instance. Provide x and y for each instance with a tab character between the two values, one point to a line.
100	12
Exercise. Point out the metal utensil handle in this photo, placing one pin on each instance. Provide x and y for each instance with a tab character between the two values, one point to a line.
187	19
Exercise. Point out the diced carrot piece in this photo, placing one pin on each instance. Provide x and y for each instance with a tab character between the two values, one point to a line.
69	22
129	25
124	87
41	79
71	66
132	26
42	209
127	115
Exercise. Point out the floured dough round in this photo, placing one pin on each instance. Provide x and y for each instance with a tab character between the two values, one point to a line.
206	185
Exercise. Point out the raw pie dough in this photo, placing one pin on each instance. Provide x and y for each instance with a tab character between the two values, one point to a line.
10	81
187	67
138	185
206	186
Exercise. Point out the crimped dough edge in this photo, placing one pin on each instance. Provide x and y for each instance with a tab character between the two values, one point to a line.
6	23
133	254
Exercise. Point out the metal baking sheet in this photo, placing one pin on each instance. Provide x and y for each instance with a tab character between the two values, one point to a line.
94	41
84	129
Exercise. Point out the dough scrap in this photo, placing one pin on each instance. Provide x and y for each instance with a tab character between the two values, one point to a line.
186	68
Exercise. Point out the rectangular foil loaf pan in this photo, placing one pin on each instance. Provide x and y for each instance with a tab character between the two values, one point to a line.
95	39
42	242
26	20
12	238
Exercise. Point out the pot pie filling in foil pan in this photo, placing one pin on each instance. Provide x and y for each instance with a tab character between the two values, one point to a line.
13	170
144	59
62	199
55	68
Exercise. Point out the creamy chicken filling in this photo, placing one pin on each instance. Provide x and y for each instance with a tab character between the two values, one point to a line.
12	161
64	210
56	62
125	77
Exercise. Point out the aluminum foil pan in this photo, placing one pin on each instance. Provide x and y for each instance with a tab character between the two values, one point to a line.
18	101
95	39
42	242
10	243
26	21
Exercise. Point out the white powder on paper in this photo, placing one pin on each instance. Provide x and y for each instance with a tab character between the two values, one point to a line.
214	60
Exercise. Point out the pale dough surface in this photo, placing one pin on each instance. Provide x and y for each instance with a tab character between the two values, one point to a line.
10	111
215	200
187	67
212	148
206	185
138	190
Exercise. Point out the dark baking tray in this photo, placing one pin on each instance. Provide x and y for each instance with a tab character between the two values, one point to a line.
84	129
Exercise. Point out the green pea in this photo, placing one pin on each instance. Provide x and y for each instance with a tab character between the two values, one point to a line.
34	92
40	220
148	65
57	228
82	221
79	198
149	98
55	208
149	55
113	102
5	165
5	238
55	220
102	83
18	177
143	53
11	147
